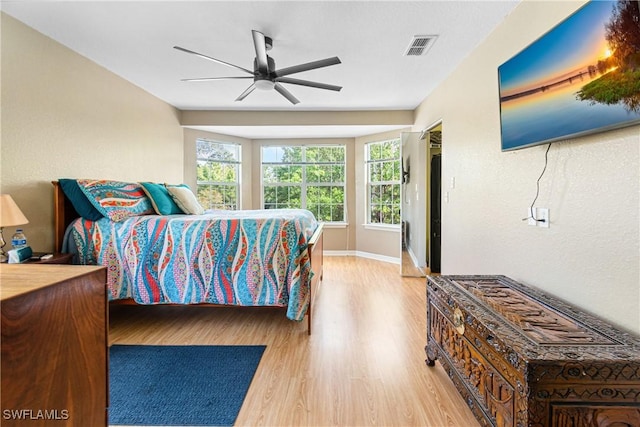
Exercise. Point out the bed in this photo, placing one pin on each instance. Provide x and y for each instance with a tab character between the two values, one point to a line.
240	258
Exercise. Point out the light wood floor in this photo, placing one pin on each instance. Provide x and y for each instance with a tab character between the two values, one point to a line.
363	365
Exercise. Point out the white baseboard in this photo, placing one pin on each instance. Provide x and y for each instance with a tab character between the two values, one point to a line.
414	259
361	254
338	253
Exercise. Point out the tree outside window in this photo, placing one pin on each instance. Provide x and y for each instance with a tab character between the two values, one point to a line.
307	177
383	182
218	174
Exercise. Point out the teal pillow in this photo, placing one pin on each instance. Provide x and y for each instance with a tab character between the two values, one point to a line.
160	198
79	200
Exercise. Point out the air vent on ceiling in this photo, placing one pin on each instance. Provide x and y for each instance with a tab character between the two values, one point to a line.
420	45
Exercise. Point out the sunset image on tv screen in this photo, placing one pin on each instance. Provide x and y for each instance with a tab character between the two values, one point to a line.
582	76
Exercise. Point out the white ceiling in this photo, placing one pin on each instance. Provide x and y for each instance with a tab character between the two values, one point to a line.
135	40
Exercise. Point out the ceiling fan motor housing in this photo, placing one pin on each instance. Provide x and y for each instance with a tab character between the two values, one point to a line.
272	67
265	82
268	42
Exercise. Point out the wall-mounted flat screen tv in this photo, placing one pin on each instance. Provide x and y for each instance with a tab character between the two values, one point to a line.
581	77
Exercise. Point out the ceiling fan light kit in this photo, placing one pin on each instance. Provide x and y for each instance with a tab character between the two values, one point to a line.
264	84
265	75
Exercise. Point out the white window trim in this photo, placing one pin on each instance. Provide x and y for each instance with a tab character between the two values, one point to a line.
382	227
304	184
367	185
336	224
238	162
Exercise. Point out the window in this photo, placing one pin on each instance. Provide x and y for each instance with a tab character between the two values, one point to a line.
308	177
383	182
218	174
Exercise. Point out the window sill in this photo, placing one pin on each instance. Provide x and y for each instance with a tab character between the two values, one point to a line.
382	227
336	224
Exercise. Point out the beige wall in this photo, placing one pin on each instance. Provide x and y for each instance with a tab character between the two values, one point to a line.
63	116
591	253
297	118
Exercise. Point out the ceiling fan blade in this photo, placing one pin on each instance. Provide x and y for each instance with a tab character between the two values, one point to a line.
212	59
292	99
261	52
244	94
308	66
207	79
308	83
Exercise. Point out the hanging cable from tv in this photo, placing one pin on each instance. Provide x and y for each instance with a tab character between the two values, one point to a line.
531	214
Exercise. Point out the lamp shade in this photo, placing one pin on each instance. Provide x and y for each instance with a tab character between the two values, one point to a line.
10	213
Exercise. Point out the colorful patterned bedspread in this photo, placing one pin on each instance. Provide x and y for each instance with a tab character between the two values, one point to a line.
234	258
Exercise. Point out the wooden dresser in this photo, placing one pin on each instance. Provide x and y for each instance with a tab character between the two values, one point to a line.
54	345
522	358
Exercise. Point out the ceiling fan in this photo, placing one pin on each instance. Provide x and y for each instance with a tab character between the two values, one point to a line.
265	75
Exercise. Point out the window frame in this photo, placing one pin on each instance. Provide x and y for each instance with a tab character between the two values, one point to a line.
368	224
238	166
305	184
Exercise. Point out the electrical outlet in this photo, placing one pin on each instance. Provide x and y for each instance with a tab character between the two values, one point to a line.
542	214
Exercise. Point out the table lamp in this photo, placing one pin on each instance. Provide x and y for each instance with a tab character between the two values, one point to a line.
10	215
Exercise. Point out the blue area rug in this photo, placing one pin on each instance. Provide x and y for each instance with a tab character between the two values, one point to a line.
179	385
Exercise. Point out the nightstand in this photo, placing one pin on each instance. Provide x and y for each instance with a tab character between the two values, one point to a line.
57	258
54	354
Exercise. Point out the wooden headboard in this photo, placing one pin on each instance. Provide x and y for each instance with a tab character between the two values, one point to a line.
63	214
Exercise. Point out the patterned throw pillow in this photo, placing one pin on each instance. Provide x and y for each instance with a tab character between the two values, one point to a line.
116	200
160	198
185	199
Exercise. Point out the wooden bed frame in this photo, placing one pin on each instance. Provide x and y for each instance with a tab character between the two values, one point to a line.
64	213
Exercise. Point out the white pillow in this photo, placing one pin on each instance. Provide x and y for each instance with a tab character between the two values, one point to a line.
185	199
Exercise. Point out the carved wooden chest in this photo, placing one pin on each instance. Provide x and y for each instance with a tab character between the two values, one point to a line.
522	358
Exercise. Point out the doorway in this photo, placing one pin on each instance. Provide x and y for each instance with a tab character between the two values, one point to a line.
433	139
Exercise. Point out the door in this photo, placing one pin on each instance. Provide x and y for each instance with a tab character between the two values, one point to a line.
436	209
412	206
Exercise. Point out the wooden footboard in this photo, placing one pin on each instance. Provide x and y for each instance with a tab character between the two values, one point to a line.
315	251
65	213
